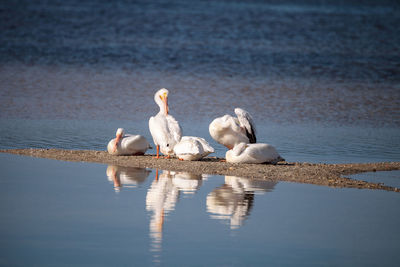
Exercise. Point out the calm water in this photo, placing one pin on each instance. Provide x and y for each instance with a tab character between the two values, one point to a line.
63	213
321	79
297	142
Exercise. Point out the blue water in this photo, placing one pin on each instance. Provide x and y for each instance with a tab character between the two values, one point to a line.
320	78
63	213
301	142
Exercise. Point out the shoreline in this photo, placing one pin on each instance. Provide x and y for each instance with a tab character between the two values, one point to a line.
318	174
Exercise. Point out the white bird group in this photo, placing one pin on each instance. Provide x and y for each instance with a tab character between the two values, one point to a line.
238	134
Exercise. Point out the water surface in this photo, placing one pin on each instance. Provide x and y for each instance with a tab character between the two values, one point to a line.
321	78
296	142
288	61
63	213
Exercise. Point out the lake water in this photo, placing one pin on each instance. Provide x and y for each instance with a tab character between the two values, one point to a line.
321	79
63	213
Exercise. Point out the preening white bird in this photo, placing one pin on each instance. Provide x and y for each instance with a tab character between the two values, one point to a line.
164	129
253	153
192	148
229	131
127	144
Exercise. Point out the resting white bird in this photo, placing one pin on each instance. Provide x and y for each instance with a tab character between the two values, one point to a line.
164	129
192	148
253	153
127	144
229	131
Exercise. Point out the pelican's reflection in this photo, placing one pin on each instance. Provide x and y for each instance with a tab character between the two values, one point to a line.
126	176
234	200
187	183
162	197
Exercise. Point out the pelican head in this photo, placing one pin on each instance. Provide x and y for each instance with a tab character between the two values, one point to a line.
161	98
167	149
118	137
236	151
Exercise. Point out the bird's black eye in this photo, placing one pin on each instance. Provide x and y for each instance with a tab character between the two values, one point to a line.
167	145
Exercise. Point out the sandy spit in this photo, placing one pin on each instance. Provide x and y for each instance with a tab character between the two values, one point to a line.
319	174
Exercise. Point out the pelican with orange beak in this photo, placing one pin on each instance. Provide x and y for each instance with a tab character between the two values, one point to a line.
127	144
164	129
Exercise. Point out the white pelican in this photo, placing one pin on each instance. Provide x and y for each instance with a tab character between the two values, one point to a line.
253	153
164	129
229	131
192	148
126	144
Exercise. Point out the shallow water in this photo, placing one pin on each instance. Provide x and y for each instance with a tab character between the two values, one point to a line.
64	213
320	78
390	178
301	142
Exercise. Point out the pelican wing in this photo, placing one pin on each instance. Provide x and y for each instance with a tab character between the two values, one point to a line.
135	142
246	121
189	146
206	147
174	128
158	129
262	152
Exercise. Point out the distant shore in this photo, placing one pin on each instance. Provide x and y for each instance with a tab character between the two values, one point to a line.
319	174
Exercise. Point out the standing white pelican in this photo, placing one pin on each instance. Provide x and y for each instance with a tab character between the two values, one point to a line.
126	144
192	148
164	129
253	153
229	131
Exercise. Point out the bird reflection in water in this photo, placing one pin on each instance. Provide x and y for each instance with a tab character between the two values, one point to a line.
234	199
126	176
162	197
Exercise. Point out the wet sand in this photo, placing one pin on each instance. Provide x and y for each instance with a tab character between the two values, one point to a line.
319	174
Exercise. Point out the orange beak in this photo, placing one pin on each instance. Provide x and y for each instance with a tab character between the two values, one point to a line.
165	100
117	140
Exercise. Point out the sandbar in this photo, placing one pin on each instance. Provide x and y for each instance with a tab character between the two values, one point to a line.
332	175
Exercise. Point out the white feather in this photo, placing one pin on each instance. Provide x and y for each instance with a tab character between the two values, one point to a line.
229	131
253	153
192	148
246	121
